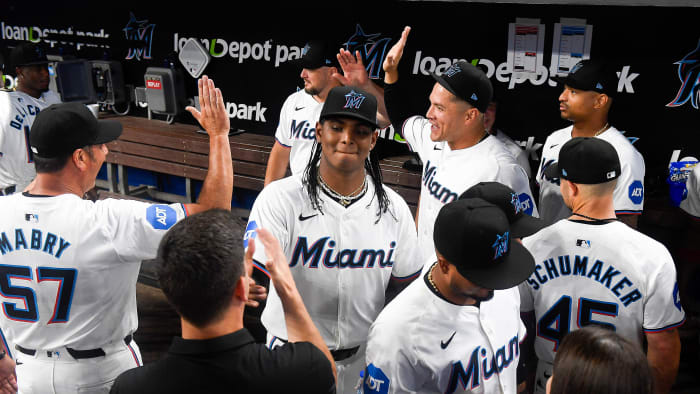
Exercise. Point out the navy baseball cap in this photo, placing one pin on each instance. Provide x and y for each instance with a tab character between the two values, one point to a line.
62	128
591	75
586	160
315	54
468	83
500	195
474	236
350	102
27	54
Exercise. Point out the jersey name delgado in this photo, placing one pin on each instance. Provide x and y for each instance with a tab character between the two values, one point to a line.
324	250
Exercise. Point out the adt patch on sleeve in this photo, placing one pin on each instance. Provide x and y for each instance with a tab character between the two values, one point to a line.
161	217
249	232
636	192
526	203
375	381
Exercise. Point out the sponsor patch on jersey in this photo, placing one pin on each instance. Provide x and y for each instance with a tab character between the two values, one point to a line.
526	204
31	217
636	192
249	232
161	217
375	381
583	243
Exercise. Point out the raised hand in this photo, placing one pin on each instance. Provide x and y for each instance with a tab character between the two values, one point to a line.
354	72
276	264
391	62
256	293
213	116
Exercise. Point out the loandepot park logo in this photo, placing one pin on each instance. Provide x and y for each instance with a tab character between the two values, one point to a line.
689	74
139	34
372	47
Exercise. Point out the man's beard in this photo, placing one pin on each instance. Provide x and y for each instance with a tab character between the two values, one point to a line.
312	91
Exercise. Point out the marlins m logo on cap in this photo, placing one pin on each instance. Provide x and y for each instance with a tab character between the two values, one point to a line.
500	247
354	100
454	69
515	201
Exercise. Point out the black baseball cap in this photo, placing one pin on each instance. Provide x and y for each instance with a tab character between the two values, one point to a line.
315	54
474	236
62	128
468	83
586	160
591	75
350	102
500	195
27	54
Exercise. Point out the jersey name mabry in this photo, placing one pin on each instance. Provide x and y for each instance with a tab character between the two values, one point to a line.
567	266
324	250
51	243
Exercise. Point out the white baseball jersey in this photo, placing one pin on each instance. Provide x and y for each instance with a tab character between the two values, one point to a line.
448	173
425	344
607	274
297	128
629	192
691	204
341	259
69	267
520	154
17	113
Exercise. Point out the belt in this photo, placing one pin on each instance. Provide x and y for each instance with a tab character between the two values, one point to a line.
7	190
75	353
342	354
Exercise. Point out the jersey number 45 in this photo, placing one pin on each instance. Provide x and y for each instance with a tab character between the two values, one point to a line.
556	322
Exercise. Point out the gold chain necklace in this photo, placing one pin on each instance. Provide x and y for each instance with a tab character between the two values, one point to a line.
430	279
601	131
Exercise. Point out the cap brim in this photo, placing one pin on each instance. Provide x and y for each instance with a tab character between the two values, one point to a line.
526	225
439	79
107	131
515	267
350	115
552	171
305	63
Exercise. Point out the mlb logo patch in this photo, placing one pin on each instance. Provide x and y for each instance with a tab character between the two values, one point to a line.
610	175
31	217
583	243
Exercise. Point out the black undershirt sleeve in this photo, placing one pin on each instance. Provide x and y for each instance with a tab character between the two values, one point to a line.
397	98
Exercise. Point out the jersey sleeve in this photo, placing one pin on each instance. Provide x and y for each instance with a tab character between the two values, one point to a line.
527	302
135	228
416	132
514	176
628	197
407	264
691	204
267	213
662	307
388	371
282	134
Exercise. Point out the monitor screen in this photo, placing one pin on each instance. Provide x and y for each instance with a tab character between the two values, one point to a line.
74	80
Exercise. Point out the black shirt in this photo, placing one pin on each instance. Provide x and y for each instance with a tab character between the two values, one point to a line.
231	363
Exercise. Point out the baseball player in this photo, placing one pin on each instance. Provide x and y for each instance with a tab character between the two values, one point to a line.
458	329
451	140
68	266
17	112
593	269
295	133
344	234
586	101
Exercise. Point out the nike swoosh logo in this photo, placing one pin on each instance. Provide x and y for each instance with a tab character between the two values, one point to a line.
436	148
298	108
553	145
302	217
444	344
